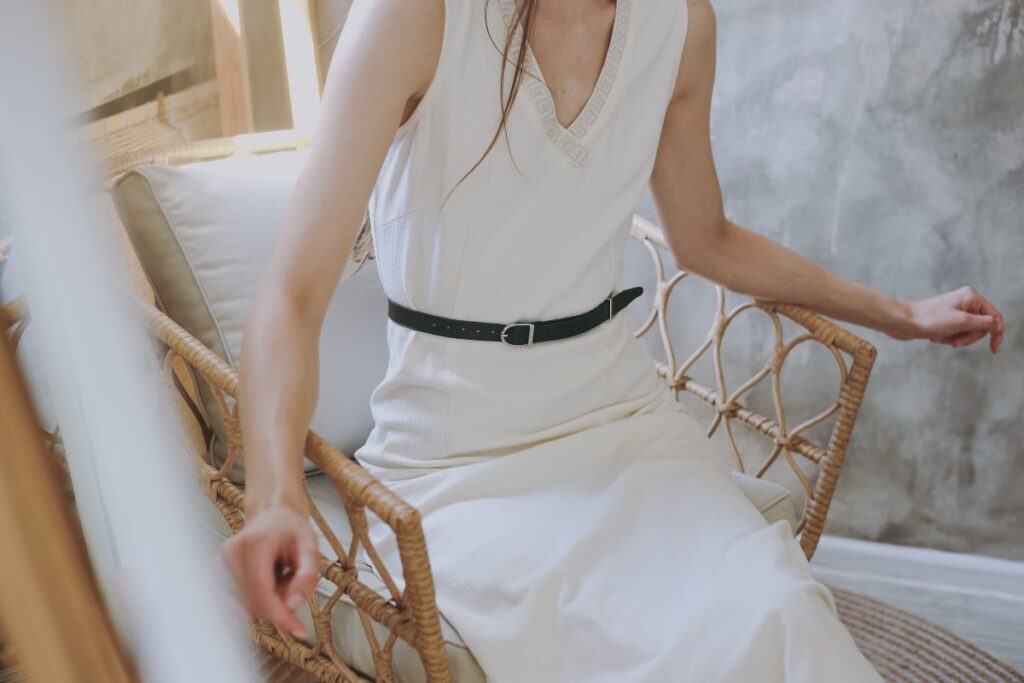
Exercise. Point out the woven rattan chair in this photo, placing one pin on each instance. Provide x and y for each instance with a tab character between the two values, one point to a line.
390	617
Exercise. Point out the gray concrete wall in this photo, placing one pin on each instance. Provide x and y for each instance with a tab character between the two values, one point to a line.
885	141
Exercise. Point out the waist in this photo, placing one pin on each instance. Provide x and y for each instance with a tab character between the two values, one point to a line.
518	332
480	414
501	388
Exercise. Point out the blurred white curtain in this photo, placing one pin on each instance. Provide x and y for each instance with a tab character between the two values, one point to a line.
134	491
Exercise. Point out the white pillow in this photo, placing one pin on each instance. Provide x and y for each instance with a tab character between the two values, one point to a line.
204	233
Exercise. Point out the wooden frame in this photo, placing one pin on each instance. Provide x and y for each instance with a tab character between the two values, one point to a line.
54	615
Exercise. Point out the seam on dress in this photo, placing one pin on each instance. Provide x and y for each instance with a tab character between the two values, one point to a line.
447	399
448	342
405	214
386	224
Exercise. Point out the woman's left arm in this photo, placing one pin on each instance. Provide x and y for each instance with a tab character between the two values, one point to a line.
688	199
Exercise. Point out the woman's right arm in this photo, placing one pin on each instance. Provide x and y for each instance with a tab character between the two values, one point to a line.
384	61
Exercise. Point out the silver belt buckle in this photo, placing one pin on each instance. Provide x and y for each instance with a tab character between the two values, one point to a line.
504	334
611	308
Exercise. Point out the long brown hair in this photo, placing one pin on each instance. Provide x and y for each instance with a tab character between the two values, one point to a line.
525	13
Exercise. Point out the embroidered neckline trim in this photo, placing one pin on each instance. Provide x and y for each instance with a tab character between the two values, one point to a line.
570	140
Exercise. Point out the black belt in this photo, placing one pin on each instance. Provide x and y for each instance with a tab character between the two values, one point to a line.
517	333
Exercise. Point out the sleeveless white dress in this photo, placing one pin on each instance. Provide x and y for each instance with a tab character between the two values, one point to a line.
580	527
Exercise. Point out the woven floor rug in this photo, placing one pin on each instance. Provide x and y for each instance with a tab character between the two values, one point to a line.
907	648
904	649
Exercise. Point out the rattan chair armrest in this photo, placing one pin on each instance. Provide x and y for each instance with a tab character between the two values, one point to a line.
826	330
353	481
821	327
787	440
411	613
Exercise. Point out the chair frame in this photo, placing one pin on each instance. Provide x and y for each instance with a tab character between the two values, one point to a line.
411	614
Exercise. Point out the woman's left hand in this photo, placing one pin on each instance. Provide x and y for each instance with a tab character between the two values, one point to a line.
958	318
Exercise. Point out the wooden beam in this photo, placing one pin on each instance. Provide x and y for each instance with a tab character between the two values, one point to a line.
50	605
232	61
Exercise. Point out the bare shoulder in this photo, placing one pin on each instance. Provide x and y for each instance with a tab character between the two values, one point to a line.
425	17
697	69
400	39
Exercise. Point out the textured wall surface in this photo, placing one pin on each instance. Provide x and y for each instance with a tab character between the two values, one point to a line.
885	141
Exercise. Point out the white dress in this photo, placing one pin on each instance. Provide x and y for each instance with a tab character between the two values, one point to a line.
580	527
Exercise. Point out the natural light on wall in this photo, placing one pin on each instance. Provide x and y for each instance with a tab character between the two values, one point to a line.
229	10
297	30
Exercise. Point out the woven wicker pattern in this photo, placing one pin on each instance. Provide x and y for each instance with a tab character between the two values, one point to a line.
410	614
854	359
192	113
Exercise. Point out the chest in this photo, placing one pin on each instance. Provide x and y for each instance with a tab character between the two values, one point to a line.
570	53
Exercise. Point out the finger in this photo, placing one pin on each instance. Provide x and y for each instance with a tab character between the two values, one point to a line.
984	306
987	308
996	338
951	339
307	566
966	339
971	338
284	569
261	584
970	322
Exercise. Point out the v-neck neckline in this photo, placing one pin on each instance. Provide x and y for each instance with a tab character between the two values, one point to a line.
570	138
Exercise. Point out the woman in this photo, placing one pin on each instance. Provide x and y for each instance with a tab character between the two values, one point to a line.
580	527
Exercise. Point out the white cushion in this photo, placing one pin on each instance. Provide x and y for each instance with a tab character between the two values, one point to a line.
204	233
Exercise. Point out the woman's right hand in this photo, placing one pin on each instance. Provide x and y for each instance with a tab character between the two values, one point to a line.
274	561
371	89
